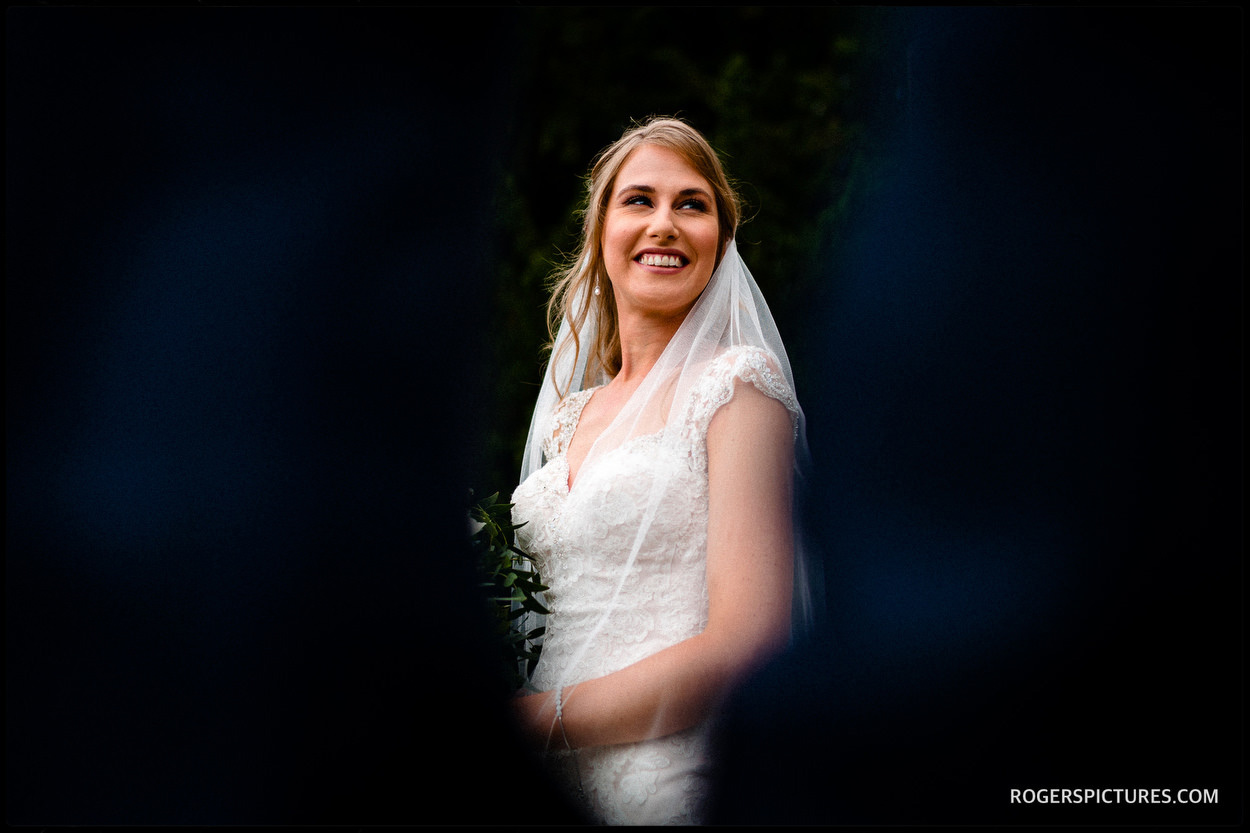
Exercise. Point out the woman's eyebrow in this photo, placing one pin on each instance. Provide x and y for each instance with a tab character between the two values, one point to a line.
647	189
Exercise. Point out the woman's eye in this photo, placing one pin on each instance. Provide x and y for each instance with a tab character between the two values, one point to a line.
697	205
639	199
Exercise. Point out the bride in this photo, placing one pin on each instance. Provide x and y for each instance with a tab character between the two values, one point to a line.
657	484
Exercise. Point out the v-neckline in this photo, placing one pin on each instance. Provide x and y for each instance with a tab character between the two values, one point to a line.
569	480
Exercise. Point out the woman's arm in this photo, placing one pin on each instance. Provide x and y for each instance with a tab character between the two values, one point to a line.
750	563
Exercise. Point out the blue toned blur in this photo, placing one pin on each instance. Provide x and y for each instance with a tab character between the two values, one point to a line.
239	279
1027	438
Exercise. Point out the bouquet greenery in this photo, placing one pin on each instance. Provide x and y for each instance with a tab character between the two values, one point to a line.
512	584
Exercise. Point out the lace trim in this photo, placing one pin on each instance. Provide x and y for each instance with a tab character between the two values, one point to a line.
566	417
716	388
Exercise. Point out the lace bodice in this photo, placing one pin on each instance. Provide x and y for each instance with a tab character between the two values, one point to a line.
581	540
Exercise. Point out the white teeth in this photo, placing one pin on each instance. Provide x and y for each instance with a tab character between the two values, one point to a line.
659	260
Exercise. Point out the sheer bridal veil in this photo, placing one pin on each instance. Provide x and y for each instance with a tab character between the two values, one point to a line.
730	313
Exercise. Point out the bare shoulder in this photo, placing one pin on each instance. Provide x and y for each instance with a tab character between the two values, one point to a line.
760	370
751	432
752	411
759	400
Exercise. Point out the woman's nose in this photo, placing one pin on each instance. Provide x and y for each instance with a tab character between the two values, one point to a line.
662	224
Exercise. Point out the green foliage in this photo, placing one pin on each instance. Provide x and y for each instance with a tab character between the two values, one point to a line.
512	585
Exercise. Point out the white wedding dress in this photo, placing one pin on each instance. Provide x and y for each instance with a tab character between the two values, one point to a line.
579	538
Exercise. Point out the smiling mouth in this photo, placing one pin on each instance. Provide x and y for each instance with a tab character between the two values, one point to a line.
661	260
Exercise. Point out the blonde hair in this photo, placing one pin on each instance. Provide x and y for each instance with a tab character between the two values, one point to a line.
587	270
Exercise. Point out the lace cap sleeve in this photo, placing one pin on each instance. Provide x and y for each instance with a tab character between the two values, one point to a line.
715	388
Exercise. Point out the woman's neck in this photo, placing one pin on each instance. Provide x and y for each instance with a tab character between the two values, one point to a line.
643	339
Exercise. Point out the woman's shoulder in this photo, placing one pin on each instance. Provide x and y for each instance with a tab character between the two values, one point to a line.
751	365
744	354
750	376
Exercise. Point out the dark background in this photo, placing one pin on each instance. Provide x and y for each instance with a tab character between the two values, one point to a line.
272	305
1028	440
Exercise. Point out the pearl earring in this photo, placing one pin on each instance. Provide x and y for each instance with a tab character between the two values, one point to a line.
596	289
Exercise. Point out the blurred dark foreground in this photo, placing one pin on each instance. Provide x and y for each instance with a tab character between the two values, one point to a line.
1029	444
244	260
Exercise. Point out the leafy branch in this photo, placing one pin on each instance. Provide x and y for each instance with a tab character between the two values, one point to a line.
512	583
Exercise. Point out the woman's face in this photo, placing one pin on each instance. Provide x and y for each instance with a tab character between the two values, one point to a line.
660	234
